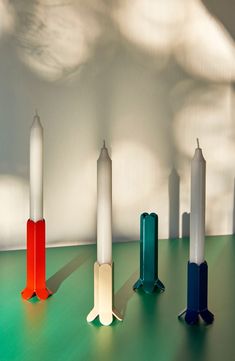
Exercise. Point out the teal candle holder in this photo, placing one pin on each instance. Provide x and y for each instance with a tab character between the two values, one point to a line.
149	280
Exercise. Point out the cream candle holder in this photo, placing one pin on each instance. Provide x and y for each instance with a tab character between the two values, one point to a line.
103	295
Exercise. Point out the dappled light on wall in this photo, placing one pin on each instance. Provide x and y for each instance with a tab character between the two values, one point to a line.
7	17
205	48
182	29
166	79
206	113
71	188
138	186
153	25
55	38
135	173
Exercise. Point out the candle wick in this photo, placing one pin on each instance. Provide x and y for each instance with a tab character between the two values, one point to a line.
103	143
198	143
36	112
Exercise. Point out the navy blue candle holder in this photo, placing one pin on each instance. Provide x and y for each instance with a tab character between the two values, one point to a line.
149	280
197	295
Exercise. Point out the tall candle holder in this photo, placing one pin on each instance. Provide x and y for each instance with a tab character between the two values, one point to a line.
197	266
103	268
149	280
36	282
197	295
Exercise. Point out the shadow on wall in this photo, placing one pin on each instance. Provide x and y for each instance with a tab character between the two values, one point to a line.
174	203
185	225
234	206
224	11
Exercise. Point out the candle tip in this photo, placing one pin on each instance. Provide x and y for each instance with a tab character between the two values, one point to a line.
36	114
198	143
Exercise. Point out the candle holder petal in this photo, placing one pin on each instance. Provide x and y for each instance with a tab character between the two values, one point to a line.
207	316
27	293
149	286
43	294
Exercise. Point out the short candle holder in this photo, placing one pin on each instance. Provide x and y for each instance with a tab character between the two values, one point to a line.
197	295
103	295
149	280
36	282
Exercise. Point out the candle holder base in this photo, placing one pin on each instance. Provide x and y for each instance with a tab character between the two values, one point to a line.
197	295
103	295
42	294
36	282
149	286
192	317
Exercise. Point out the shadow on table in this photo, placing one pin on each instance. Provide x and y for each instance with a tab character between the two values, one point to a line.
195	344
55	281
124	294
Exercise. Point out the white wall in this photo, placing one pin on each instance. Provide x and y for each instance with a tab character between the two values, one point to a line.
148	77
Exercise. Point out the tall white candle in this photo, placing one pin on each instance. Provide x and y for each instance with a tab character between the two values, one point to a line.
36	170
104	207
197	215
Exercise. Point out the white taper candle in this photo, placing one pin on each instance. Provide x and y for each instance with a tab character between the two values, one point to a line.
104	207
36	170
197	215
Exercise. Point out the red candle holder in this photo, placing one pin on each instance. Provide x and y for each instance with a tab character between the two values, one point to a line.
36	274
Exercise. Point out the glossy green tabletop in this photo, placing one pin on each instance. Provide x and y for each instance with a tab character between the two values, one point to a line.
56	329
